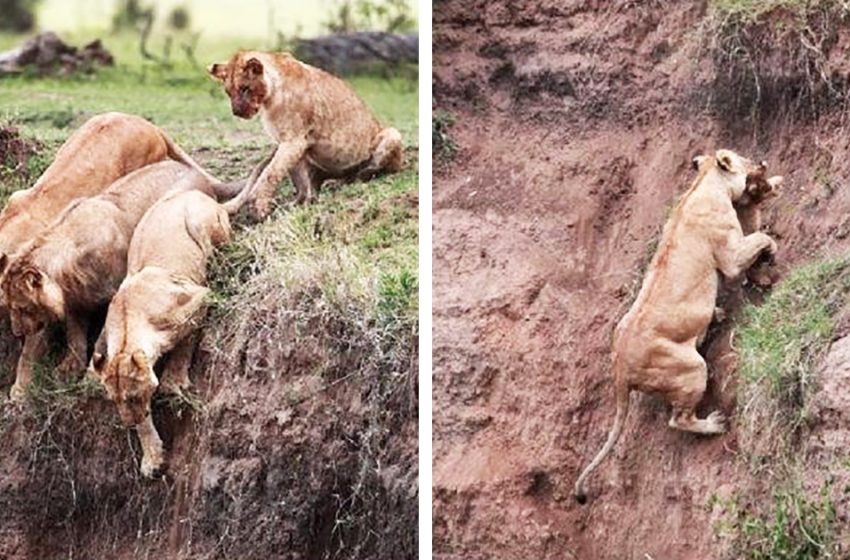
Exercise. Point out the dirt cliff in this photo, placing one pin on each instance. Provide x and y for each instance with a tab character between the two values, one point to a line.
569	130
299	437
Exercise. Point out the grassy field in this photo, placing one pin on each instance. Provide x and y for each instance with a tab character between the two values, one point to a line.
373	224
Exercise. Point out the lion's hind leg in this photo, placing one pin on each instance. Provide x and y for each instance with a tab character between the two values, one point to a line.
686	420
388	155
684	390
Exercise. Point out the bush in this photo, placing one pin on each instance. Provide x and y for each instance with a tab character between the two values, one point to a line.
393	16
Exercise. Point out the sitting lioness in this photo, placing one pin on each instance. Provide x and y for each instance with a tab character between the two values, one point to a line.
105	148
75	266
655	344
157	308
323	129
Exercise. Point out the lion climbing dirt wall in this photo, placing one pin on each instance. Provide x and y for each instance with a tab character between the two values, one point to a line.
575	124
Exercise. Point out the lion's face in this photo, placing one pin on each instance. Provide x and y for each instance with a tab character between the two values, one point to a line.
130	382
740	173
33	299
244	83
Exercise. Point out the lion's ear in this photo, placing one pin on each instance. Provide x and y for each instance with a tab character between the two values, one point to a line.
217	71
32	279
254	68
724	160
4	262
697	162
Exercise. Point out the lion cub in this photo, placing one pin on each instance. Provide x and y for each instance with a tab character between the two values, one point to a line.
157	308
655	344
75	266
323	129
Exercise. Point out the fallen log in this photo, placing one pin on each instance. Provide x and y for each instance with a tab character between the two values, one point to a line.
349	53
47	53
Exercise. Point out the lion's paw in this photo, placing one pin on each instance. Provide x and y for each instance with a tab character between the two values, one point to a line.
717	422
152	467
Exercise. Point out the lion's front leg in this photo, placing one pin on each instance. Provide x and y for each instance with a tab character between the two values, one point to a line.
33	349
153	457
741	252
175	375
285	158
76	330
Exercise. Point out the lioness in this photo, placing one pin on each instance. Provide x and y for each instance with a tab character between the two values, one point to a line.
655	344
75	265
323	129
156	309
103	149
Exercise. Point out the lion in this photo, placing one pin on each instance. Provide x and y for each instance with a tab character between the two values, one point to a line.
322	128
104	149
157	308
654	347
75	266
760	190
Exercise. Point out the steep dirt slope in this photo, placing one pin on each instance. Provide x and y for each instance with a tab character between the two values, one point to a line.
575	124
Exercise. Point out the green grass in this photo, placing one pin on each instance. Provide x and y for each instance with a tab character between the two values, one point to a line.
754	10
779	344
361	240
792	527
444	145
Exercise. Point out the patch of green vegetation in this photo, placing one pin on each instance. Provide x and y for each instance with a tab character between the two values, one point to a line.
792	527
755	8
779	344
444	146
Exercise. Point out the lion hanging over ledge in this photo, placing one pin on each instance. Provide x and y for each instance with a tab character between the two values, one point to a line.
655	344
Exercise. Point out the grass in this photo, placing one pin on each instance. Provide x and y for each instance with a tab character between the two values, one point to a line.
756	8
780	344
444	146
773	58
371	226
792	527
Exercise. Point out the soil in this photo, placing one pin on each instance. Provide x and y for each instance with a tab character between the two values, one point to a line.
575	125
300	445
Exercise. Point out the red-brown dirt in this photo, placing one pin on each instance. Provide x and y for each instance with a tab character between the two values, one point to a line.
575	124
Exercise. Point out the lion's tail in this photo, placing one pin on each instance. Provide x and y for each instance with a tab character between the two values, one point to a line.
621	391
222	190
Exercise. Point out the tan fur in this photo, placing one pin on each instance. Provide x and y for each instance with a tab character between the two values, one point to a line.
323	129
749	210
75	265
106	148
157	308
655	344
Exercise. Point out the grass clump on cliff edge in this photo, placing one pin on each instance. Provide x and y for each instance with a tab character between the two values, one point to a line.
780	344
772	58
321	303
